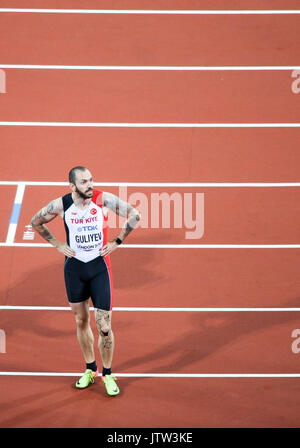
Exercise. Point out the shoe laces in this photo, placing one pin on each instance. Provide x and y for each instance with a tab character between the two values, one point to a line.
109	378
90	375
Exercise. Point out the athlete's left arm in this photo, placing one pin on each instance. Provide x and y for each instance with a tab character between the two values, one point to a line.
124	209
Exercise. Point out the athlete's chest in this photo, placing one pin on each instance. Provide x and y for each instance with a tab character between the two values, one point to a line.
89	219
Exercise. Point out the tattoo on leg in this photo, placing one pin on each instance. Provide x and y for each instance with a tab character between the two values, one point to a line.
107	341
102	317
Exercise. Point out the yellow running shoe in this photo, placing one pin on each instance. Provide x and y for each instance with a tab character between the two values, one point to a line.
87	378
111	385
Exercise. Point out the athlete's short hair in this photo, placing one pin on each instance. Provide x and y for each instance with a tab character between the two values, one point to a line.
72	173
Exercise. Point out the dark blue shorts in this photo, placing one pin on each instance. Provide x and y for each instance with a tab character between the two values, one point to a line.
89	280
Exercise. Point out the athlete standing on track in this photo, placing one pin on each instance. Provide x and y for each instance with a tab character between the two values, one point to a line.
87	268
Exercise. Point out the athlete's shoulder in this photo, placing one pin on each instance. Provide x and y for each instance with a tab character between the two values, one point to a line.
57	204
55	207
98	197
66	201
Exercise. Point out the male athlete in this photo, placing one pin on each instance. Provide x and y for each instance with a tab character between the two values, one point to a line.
87	268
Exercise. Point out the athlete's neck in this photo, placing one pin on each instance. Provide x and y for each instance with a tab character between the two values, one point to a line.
79	201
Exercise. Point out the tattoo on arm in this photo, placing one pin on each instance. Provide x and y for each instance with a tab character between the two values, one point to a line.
130	224
126	230
124	209
46	214
120	207
44	232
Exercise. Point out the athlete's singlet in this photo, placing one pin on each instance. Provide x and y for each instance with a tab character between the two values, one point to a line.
86	229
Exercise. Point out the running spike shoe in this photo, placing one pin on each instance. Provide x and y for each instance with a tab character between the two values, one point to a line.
87	378
111	385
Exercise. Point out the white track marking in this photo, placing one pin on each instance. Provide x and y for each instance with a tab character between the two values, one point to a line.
20	193
163	184
25	245
147	125
21	186
152	309
12	228
15	214
149	68
175	246
163	375
145	11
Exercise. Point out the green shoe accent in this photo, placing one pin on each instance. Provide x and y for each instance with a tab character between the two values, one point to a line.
87	378
111	385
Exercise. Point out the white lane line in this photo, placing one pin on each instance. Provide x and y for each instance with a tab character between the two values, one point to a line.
162	375
176	246
149	68
13	223
20	193
144	11
164	184
12	228
152	309
148	125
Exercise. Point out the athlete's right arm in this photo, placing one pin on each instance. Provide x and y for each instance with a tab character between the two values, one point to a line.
47	214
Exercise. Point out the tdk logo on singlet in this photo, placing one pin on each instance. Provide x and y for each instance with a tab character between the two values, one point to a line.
87	228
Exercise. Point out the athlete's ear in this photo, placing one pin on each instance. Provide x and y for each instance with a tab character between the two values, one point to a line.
72	187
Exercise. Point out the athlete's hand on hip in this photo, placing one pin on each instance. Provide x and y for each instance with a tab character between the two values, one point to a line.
108	248
65	249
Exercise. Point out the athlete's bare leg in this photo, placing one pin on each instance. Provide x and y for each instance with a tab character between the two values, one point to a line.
84	332
106	341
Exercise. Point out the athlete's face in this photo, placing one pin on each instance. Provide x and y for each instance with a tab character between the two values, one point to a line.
84	184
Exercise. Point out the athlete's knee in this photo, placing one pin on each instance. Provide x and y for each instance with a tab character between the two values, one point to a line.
105	333
104	328
82	322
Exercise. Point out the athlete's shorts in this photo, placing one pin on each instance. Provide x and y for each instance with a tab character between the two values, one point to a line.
89	280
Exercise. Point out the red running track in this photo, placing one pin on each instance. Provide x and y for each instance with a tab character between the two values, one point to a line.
156	342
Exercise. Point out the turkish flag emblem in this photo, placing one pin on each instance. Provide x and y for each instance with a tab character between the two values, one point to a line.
93	211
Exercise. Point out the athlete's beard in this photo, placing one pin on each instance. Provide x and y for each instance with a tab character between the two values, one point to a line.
83	195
